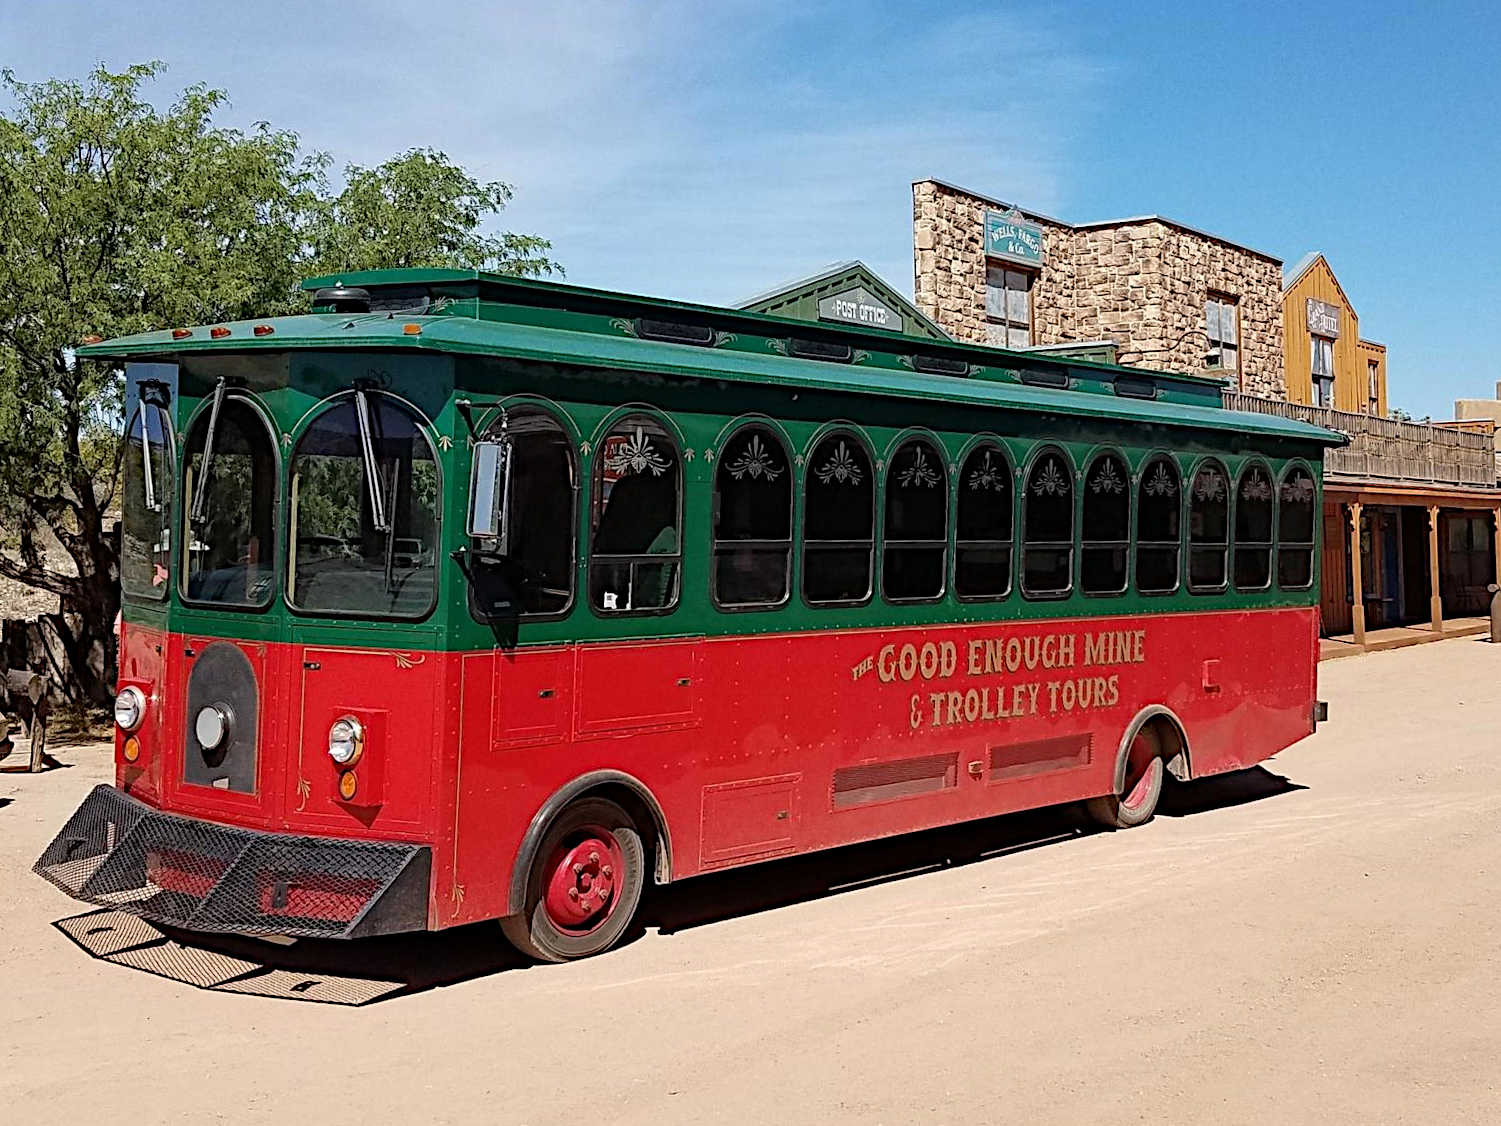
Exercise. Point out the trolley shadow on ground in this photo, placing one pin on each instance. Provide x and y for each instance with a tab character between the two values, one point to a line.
358	973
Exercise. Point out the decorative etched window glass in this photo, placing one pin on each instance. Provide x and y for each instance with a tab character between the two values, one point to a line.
839	520
1048	527
982	553
752	520
535	575
913	560
1295	528
1106	531
1253	528
635	519
1222	317
1208	529
1008	307
1159	508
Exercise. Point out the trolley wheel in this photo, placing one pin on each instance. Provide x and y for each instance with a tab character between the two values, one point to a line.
584	885
1137	801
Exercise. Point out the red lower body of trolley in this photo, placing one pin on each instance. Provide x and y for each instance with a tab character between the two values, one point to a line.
720	751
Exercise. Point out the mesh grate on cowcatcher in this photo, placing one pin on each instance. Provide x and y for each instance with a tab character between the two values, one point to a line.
118	852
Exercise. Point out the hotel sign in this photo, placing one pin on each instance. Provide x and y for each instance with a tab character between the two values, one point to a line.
1011	238
859	306
1323	319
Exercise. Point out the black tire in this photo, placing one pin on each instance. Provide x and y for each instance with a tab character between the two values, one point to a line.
1145	771
535	932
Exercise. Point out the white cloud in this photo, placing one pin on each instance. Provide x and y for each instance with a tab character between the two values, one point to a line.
699	150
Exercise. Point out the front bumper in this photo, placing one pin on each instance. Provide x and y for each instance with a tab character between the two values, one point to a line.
118	852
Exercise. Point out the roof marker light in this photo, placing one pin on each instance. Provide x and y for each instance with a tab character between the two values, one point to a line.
93	339
412	329
181	333
263	330
219	332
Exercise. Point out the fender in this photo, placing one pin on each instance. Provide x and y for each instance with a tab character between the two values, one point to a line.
1182	771
516	899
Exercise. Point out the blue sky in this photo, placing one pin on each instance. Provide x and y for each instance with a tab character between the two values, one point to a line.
710	150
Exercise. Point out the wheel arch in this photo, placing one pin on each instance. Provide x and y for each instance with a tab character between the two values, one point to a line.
1179	758
628	791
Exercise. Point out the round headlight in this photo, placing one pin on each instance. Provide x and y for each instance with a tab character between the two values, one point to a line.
212	726
130	708
346	740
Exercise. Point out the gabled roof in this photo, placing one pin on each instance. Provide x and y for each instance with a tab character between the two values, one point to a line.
799	298
1300	268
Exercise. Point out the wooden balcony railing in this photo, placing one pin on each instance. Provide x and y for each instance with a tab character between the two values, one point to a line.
1382	449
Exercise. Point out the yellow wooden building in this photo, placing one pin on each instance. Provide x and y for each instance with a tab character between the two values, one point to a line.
1326	362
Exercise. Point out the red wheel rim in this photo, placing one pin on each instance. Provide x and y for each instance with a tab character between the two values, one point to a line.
1143	767
583	880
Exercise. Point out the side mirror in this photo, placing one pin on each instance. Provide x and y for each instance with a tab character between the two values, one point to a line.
490	491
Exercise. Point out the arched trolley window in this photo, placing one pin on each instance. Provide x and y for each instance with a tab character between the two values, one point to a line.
529	570
839	520
364	522
635	519
913	559
1253	528
1295	529
983	526
1208	529
1048	527
1106	532
229	510
752	520
147	503
1159	511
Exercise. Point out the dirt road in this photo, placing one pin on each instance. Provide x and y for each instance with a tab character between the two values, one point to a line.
1312	943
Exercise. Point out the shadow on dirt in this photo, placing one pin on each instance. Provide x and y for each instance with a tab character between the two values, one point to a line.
375	969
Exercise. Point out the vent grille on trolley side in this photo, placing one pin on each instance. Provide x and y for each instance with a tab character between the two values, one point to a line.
820	350
674	332
1045	377
883	781
1041	756
1135	387
939	365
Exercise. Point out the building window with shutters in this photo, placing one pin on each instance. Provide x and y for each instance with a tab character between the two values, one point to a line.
1222	317
1008	307
1323	371
1373	385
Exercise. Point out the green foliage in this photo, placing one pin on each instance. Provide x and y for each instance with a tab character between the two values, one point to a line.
418	210
117	217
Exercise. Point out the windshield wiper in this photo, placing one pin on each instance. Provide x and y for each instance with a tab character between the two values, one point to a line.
371	465
153	397
200	494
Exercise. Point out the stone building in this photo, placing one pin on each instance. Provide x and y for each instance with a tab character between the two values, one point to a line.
1168	296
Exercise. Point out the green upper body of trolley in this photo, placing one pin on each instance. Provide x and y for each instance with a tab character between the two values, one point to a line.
459	349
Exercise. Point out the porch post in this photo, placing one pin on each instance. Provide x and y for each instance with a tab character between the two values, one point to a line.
1435	603
1357	589
1496	522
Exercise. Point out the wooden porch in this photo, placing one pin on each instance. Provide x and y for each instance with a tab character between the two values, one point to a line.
1398	637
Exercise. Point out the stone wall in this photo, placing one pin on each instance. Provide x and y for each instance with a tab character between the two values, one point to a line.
1142	284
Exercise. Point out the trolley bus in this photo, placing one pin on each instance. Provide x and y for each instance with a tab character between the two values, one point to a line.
466	597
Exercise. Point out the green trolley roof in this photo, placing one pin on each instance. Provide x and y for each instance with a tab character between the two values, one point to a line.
492	315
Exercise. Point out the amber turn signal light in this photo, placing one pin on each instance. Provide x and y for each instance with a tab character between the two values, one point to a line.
349	785
412	329
132	749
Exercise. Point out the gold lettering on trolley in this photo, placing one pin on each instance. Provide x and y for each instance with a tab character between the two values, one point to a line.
1001	660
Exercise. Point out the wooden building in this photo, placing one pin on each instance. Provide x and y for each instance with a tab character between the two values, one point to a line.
1327	364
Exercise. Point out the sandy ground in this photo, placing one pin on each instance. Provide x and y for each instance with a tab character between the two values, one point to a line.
1316	942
